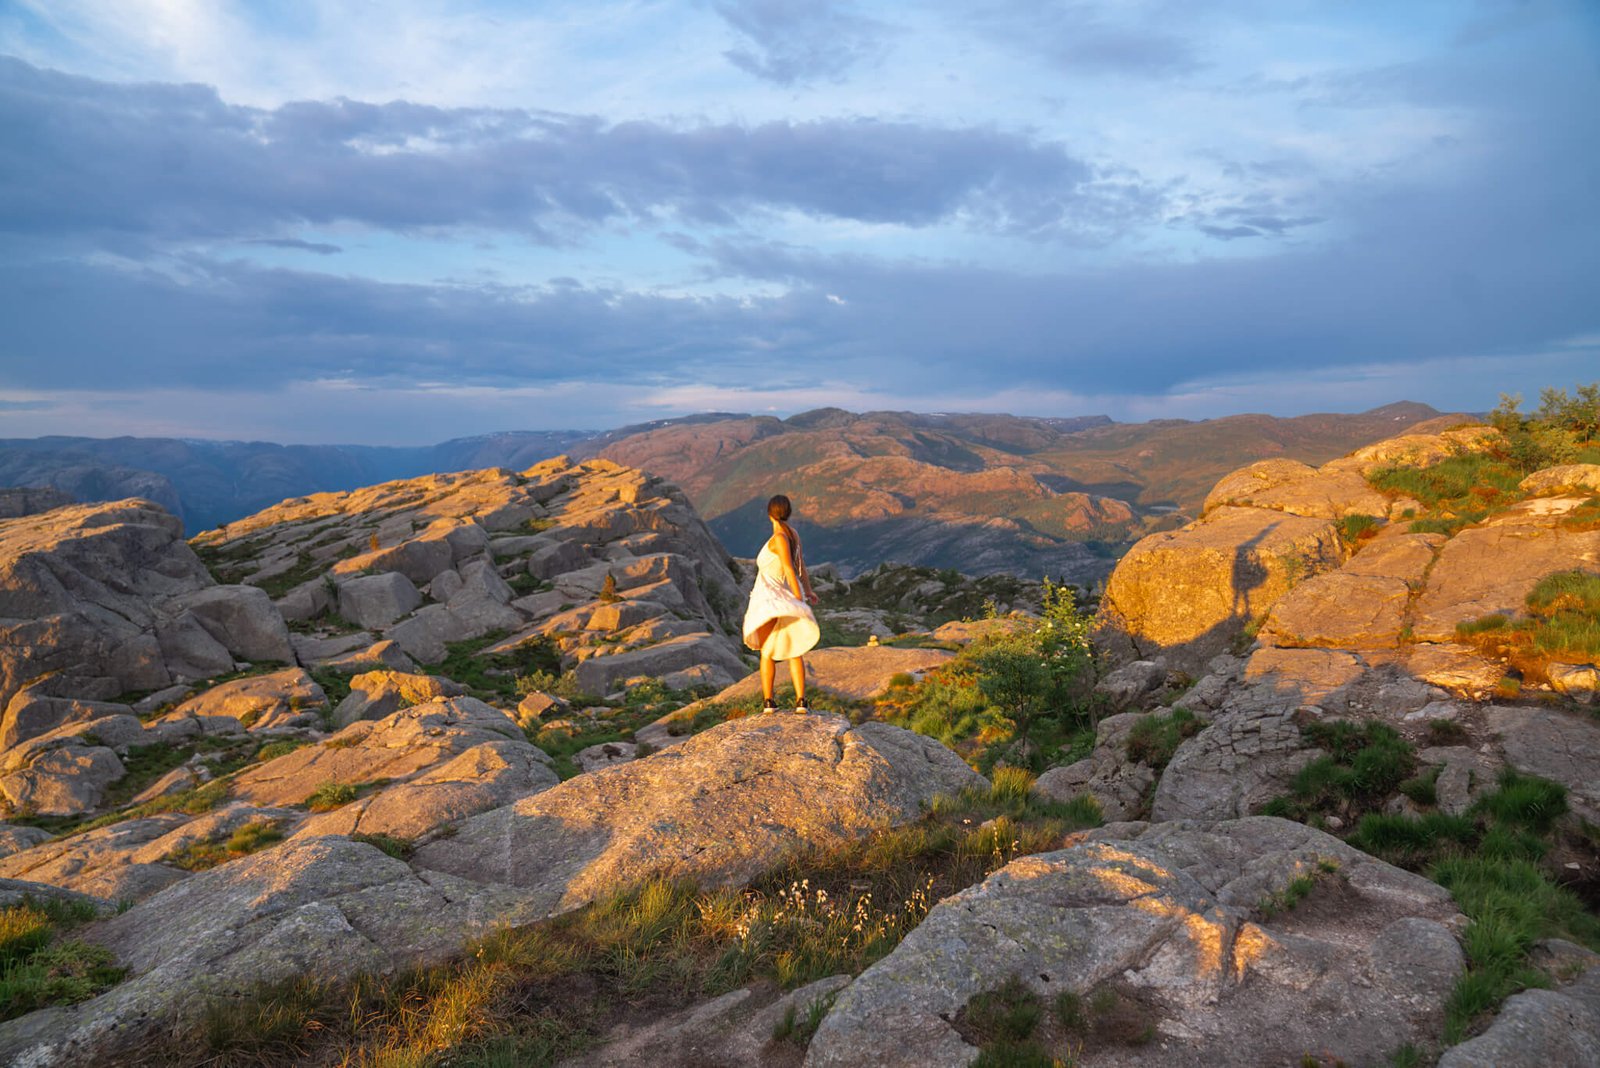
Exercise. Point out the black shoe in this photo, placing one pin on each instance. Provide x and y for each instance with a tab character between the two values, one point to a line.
769	707
801	708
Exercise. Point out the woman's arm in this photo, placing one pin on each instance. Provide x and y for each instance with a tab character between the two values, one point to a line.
784	558
805	574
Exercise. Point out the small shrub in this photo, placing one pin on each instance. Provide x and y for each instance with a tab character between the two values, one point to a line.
1443	732
1009	1013
329	796
1357	528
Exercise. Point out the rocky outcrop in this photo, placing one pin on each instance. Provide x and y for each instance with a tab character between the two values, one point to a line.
99	600
503	559
1188	594
278	699
1187	923
316	906
717	808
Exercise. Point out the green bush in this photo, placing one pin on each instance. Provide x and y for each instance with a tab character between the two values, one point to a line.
1154	739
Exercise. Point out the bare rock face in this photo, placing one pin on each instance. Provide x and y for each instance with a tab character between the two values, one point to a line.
1563	747
32	713
315	906
718	808
1491	568
101	862
1174	917
483	777
1187	594
78	589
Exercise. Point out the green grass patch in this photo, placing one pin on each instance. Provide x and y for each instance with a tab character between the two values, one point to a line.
1562	625
492	677
39	967
1490	860
330	795
1155	738
1355	529
398	848
1365	763
250	838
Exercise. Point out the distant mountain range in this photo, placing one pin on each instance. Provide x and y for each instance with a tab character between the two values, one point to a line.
981	493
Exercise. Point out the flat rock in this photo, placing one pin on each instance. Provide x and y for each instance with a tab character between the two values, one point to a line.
1170	914
1492	568
717	808
483	777
399	746
100	862
1341	611
856	672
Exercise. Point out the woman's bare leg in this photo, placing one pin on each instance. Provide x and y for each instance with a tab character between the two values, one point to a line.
769	672
797	672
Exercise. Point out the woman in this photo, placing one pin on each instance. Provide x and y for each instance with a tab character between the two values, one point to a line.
779	621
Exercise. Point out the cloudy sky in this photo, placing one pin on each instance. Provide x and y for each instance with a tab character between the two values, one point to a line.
394	221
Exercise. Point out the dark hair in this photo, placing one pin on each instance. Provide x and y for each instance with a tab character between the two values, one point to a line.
778	508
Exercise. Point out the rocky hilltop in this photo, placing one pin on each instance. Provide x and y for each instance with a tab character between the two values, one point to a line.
468	769
985	493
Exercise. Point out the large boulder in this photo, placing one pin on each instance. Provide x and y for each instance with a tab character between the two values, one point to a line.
603	674
62	781
377	600
1191	924
32	713
377	694
718	808
1299	489
243	620
289	697
1188	594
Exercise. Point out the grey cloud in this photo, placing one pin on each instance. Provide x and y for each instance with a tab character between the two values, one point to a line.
175	163
318	247
1094	38
799	41
1229	233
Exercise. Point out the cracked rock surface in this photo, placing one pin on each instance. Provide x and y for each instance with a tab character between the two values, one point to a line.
1180	917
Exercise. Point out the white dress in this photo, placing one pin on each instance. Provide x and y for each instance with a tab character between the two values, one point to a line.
771	599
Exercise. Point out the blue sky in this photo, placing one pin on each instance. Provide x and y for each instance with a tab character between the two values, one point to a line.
397	222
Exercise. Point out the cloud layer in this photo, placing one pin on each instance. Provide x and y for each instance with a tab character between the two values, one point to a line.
1147	214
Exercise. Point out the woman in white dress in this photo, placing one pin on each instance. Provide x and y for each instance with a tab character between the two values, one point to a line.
779	621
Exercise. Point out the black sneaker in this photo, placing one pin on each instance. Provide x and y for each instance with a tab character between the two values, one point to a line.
801	708
769	707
